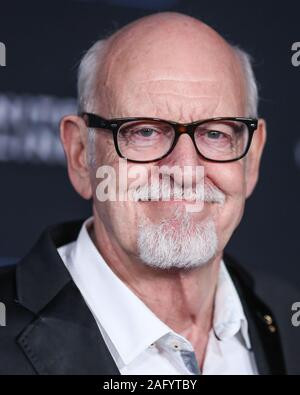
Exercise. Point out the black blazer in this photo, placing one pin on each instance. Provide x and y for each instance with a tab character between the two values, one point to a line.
50	330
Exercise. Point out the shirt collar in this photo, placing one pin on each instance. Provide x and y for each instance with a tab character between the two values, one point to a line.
229	317
130	325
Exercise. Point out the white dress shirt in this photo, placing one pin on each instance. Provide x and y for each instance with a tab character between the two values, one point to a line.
139	342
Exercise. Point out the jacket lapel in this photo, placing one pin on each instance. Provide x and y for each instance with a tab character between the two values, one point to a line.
64	338
263	329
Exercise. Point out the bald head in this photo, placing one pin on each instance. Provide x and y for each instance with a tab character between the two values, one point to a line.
166	65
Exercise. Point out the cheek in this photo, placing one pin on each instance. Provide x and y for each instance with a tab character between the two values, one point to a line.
120	218
120	221
230	178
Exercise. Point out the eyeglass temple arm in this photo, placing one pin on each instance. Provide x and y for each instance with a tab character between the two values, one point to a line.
94	121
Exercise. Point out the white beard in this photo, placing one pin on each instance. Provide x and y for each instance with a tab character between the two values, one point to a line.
186	246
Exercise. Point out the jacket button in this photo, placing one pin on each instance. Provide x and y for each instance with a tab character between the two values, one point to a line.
272	328
268	319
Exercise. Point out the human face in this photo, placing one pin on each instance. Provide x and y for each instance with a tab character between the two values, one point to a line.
141	78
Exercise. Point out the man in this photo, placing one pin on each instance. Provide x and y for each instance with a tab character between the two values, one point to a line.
143	287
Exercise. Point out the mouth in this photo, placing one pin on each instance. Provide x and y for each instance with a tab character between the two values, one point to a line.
172	200
186	196
189	197
190	200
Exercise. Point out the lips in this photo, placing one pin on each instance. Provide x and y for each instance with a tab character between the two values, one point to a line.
188	197
176	199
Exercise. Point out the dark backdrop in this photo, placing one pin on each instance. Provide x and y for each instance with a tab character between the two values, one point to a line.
44	42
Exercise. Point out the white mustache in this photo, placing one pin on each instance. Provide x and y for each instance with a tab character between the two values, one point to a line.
163	191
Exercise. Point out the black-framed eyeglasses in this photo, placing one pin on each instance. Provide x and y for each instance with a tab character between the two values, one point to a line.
142	140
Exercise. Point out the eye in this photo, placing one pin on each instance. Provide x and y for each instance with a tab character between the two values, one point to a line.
214	134
146	132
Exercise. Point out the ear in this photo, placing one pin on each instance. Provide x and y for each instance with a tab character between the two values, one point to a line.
73	134
254	156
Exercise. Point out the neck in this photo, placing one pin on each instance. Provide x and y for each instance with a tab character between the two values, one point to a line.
182	299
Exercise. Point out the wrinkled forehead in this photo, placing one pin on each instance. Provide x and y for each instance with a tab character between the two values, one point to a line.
190	74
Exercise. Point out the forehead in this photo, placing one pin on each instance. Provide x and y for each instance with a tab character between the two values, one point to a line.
187	82
177	101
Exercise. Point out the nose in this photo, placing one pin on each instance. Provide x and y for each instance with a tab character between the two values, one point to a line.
185	157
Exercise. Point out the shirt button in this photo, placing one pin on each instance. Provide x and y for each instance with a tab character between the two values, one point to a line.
176	346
